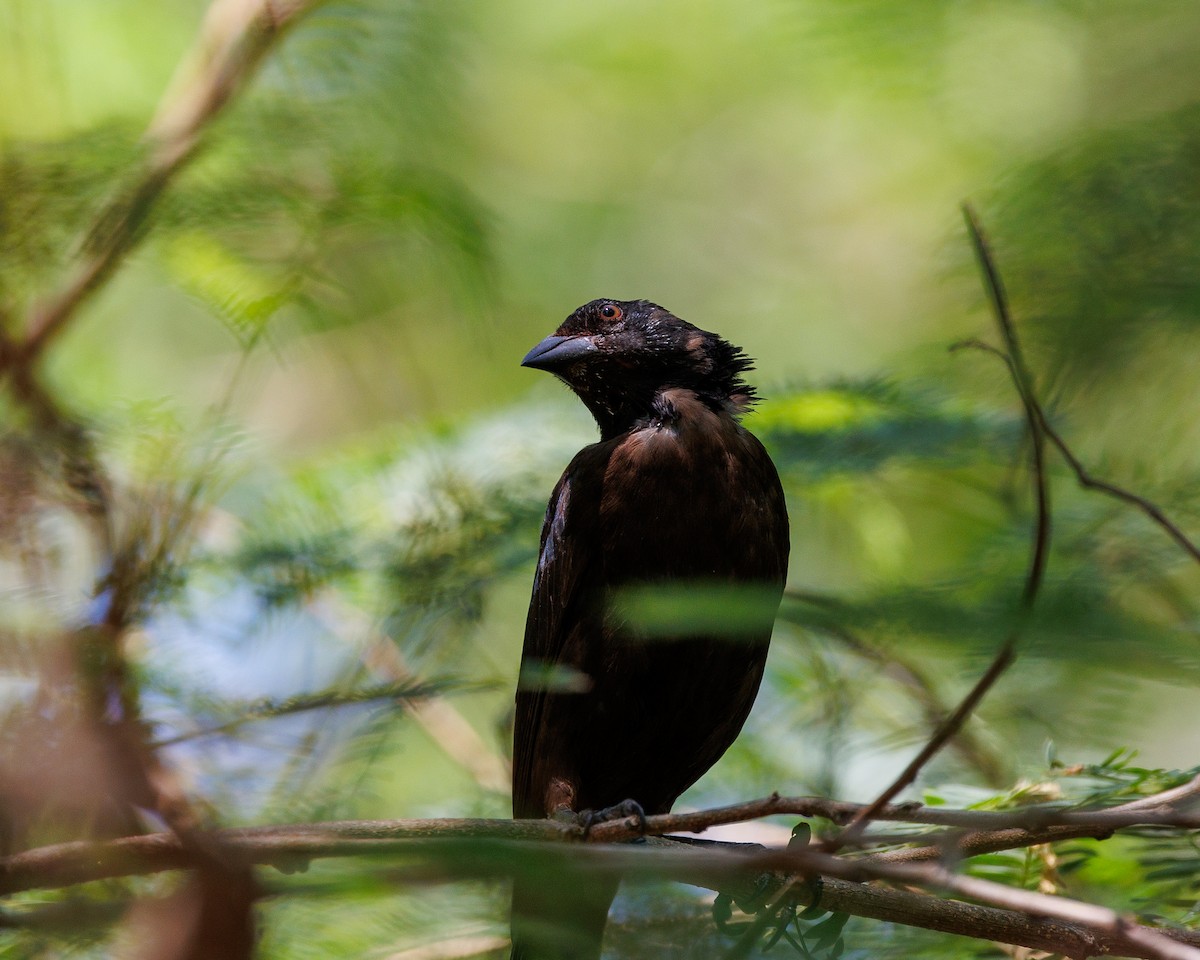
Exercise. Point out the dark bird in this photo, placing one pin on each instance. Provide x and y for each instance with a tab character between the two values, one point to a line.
677	495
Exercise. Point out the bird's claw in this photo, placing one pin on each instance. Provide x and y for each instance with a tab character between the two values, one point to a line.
618	811
564	815
816	889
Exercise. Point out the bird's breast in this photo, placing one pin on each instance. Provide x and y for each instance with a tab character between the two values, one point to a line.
692	496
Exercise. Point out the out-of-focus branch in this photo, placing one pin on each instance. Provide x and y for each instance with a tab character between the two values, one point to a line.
922	691
409	693
439	718
1085	478
211	915
442	850
1114	932
235	37
453	949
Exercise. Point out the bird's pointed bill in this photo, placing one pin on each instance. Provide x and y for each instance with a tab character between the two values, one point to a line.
554	352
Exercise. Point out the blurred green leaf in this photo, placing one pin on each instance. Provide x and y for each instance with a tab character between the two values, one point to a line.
664	610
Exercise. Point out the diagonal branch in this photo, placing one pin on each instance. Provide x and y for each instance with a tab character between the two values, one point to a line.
234	39
1007	654
921	690
436	716
1090	482
1082	474
409	693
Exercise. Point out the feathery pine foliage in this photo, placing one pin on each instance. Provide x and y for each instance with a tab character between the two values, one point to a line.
372	232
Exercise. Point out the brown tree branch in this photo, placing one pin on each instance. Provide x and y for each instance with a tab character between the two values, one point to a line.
1090	482
1178	807
1119	933
1082	475
444	850
81	861
1013	359
1025	388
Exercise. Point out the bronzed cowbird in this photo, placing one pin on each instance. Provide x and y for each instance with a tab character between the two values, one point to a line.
676	502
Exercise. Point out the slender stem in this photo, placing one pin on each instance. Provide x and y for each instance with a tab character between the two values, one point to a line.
1039	553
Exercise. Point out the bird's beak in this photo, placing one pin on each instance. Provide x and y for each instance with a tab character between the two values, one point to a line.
555	352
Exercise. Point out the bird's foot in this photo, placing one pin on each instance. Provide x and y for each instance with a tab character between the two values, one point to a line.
618	811
564	814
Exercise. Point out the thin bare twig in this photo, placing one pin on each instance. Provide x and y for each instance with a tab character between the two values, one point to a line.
1090	482
1016	365
922	691
1039	555
1082	475
1004	659
1024	384
408	693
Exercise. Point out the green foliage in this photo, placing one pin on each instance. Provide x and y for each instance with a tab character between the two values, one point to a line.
49	194
1110	262
865	426
411	194
667	610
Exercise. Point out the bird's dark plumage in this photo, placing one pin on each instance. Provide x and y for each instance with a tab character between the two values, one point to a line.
676	494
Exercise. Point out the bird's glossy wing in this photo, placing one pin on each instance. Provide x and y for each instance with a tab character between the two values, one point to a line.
570	549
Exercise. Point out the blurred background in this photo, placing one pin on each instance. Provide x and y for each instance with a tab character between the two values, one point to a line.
312	355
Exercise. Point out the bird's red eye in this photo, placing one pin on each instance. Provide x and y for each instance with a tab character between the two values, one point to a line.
611	312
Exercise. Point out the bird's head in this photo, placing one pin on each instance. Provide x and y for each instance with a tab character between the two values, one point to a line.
619	356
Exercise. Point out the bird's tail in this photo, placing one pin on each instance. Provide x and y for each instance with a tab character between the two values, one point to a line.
559	918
